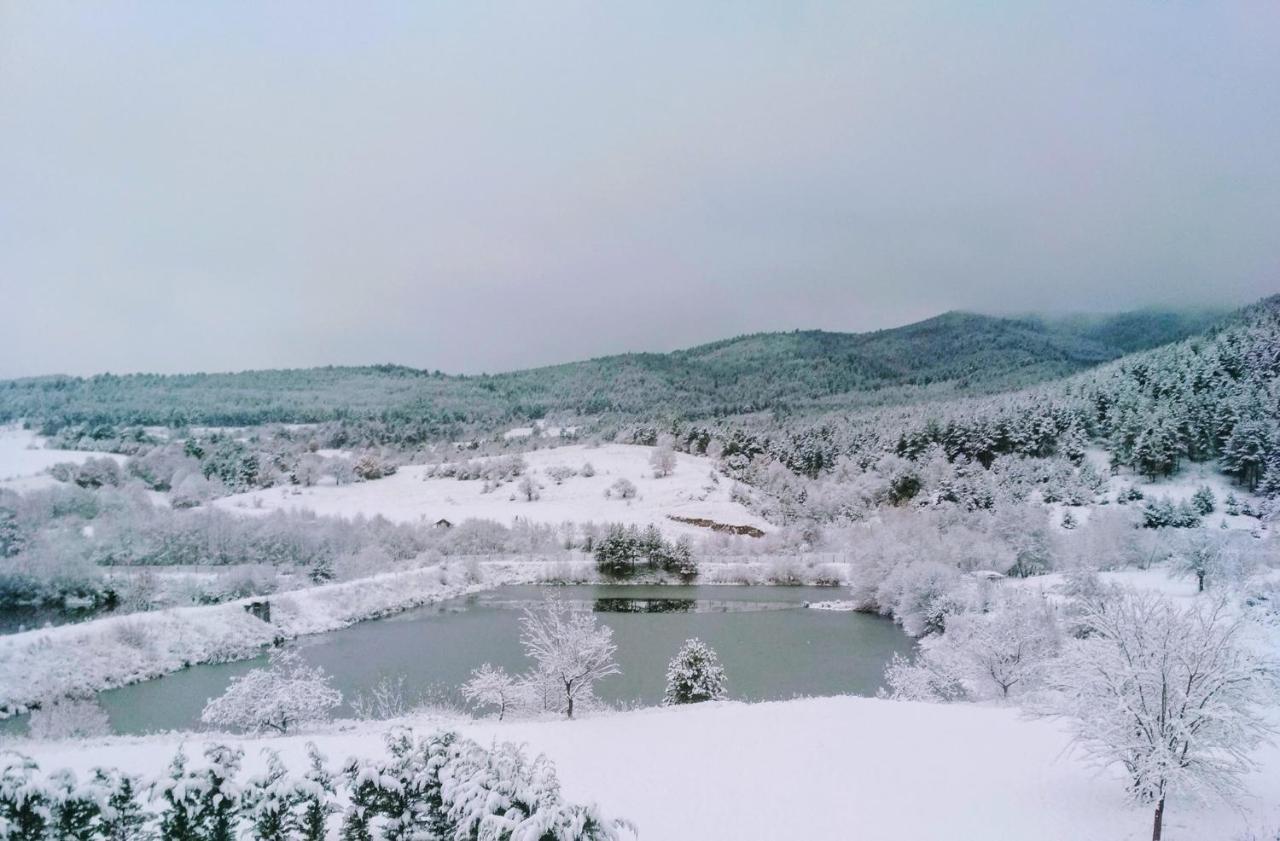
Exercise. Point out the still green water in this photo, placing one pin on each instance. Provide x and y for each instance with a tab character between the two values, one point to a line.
771	647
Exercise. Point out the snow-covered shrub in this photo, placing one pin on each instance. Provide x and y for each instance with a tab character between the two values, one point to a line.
921	680
69	718
997	654
694	675
622	489
558	473
919	596
386	699
370	466
284	694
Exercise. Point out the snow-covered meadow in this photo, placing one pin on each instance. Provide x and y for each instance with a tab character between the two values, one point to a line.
821	768
693	489
25	460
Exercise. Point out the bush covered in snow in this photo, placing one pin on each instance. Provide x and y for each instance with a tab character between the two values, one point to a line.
283	695
69	718
439	786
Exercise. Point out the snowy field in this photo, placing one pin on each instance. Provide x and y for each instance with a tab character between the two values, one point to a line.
825	769
24	459
408	496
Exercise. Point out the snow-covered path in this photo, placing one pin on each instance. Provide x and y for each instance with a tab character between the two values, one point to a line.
812	769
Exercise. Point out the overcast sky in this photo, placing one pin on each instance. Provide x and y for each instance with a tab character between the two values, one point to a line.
476	186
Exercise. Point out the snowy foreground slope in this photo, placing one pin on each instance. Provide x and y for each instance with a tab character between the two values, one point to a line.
812	769
408	496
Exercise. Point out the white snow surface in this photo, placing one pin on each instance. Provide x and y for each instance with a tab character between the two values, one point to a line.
821	769
24	458
407	496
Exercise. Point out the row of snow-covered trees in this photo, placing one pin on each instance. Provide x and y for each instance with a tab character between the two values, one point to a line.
436	786
99	543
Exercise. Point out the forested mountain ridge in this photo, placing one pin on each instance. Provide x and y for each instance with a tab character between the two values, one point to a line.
954	353
1211	397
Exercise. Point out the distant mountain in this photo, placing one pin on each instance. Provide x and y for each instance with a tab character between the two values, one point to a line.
954	353
1129	332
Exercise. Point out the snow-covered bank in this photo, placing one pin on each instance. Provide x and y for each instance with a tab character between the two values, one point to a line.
814	769
118	650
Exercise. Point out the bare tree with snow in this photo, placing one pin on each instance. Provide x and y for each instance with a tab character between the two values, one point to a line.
663	462
1173	695
491	686
286	693
569	648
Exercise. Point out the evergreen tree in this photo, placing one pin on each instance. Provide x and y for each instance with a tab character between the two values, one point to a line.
25	807
1203	500
694	675
268	802
179	816
123	818
75	809
1245	453
363	790
314	797
219	798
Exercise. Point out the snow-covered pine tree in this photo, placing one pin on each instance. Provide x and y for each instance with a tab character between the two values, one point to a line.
268	801
123	818
402	800
364	780
75	807
694	675
179	816
219	804
1203	499
314	798
441	750
24	800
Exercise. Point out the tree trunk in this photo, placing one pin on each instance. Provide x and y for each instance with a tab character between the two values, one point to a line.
1157	825
570	715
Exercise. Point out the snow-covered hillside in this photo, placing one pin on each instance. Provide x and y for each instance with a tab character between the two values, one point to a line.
692	490
24	459
818	769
